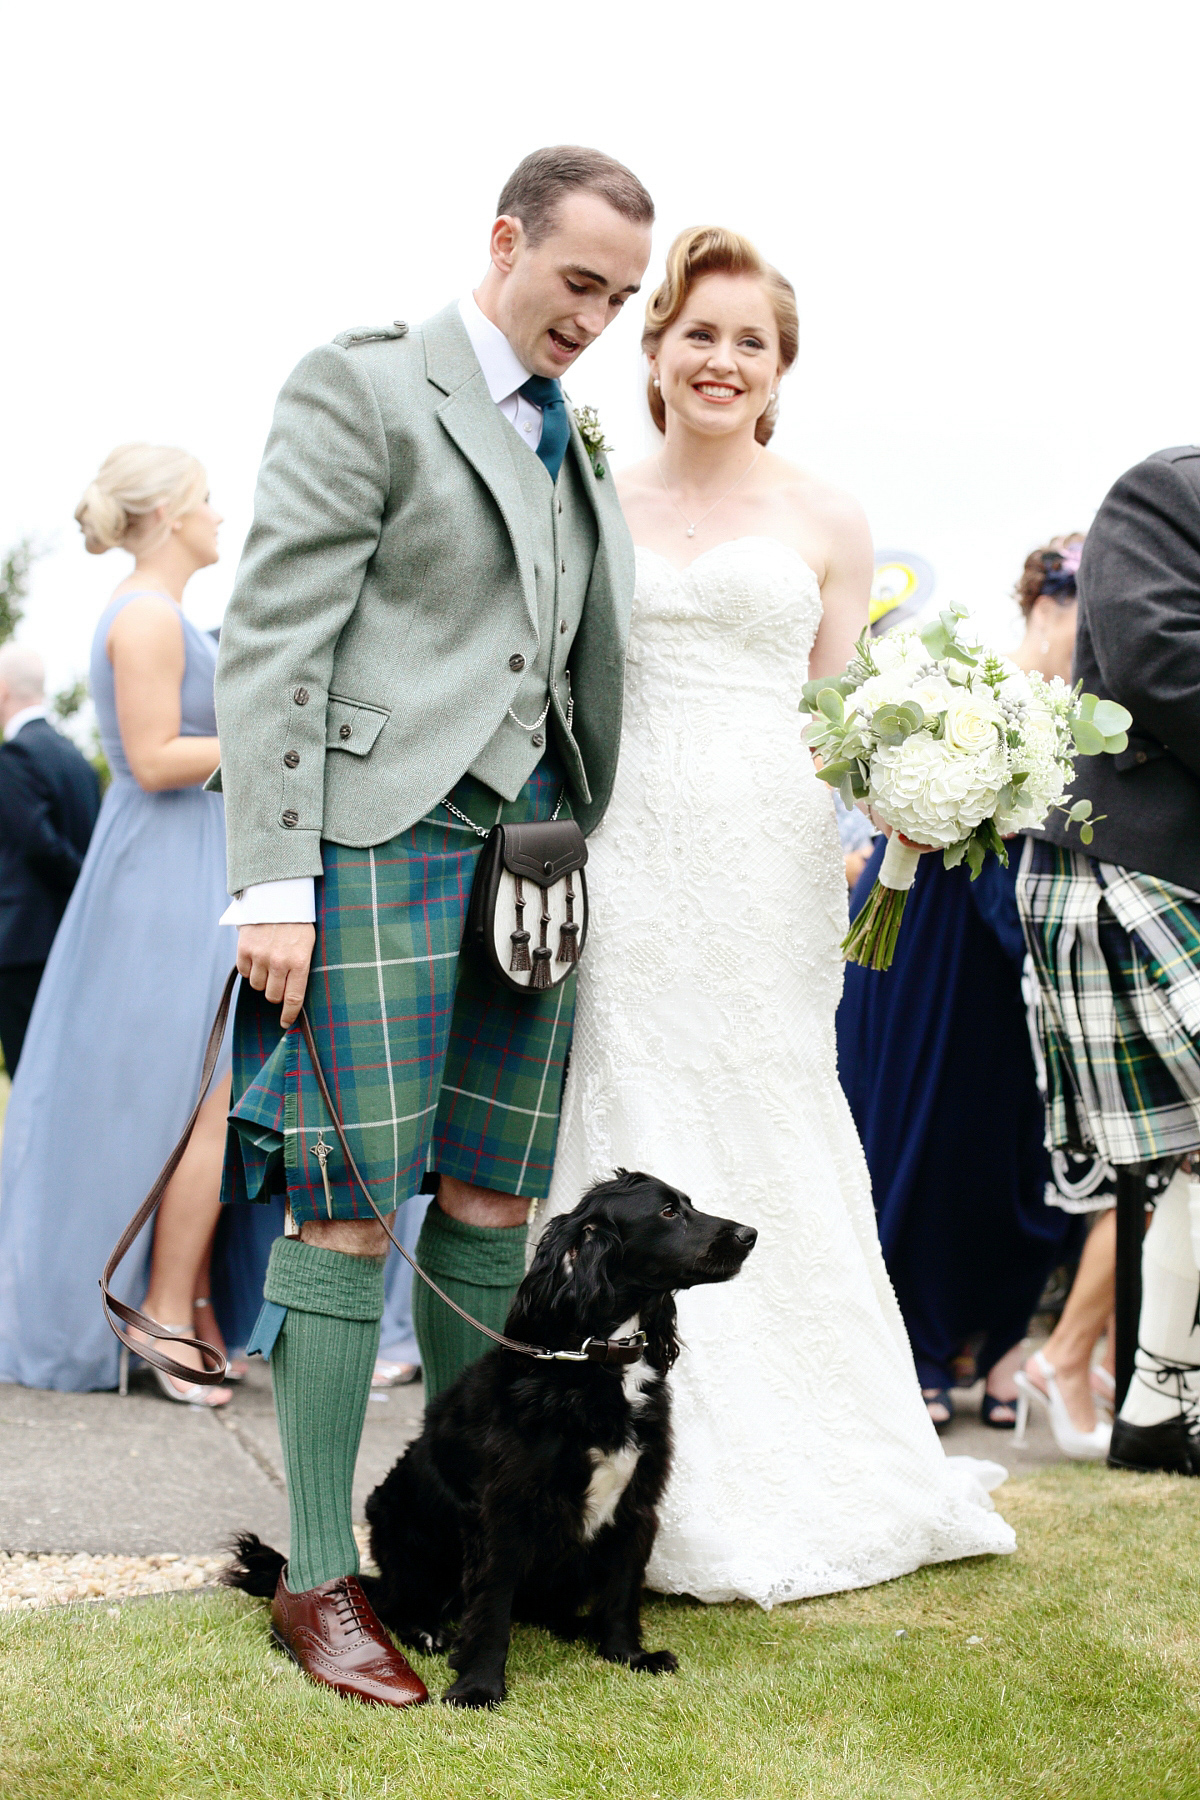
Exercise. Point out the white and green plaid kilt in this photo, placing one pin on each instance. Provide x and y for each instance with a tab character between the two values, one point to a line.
432	1063
1117	959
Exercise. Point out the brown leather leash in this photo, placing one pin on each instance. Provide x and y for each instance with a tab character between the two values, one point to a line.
611	1351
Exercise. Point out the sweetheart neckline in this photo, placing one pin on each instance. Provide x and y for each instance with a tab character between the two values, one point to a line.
749	537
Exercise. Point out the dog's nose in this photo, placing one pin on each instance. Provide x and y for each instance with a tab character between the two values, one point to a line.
746	1234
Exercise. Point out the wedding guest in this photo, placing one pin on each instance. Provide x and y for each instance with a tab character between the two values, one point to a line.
49	798
949	1111
1114	936
112	1058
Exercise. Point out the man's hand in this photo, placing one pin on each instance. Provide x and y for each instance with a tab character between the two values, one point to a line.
275	959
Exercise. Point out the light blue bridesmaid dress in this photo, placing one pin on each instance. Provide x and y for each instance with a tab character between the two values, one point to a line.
112	1059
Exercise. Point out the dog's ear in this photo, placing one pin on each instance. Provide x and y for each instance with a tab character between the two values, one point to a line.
568	1275
658	1321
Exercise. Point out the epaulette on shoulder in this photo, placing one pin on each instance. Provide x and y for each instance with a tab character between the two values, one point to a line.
368	334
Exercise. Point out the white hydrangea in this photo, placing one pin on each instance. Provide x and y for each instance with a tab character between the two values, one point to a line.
934	793
900	652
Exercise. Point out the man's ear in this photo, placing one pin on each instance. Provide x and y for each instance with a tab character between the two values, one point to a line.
507	234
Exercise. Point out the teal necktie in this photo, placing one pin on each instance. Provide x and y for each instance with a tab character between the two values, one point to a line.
542	391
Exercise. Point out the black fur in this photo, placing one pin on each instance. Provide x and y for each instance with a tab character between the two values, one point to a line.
485	1517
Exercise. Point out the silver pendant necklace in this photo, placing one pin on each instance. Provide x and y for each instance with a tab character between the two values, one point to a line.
692	523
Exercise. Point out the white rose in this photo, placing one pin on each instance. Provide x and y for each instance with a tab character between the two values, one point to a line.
932	693
899	650
973	721
881	690
1016	685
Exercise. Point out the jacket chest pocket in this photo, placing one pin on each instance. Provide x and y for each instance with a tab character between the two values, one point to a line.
353	725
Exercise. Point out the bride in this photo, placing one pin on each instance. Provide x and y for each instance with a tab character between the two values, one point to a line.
704	1051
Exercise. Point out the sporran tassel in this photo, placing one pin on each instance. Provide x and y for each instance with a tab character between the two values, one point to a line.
520	937
542	954
568	932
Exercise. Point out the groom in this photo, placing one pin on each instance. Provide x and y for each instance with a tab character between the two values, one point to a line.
426	636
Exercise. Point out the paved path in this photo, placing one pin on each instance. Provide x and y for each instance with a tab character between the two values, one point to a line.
139	1476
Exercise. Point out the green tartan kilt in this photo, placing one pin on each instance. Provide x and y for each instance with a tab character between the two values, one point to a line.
432	1064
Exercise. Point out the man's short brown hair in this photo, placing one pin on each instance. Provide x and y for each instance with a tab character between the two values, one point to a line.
536	186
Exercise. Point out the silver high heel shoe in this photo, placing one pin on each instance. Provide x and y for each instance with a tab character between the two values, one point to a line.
1080	1446
184	1393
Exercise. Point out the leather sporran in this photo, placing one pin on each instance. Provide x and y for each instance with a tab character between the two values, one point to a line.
528	913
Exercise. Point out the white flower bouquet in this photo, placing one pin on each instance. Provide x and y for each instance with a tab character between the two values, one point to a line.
955	748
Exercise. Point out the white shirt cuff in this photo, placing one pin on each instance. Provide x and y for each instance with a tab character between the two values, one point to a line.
290	902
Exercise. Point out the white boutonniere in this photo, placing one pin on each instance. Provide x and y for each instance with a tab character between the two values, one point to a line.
592	433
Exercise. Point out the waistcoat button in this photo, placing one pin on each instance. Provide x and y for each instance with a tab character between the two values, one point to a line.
291	758
291	819
1139	756
562	625
563	568
345	731
516	662
301	696
538	740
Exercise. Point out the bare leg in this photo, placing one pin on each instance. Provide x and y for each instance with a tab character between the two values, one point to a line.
1000	1384
1085	1317
479	1205
187	1220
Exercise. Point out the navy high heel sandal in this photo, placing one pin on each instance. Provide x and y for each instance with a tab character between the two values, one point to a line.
939	1397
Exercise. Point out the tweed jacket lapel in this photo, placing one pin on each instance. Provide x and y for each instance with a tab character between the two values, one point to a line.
477	426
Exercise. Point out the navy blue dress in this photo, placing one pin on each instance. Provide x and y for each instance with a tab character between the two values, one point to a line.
935	1061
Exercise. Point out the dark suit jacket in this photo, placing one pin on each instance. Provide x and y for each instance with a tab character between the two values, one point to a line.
1139	643
49	798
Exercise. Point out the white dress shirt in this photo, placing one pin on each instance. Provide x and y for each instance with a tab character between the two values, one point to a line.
39	711
293	901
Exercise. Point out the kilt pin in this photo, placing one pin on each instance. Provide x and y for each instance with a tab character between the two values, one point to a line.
431	1063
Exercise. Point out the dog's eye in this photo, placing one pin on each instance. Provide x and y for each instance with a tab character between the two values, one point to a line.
670	1212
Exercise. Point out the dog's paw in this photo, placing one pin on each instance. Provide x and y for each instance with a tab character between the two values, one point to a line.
474	1690
654	1662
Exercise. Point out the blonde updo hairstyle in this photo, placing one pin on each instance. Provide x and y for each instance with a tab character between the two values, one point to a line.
711	250
131	484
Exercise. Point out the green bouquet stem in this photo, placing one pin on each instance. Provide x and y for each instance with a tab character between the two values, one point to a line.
871	940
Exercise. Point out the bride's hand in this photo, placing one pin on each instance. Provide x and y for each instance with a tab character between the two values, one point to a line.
883	826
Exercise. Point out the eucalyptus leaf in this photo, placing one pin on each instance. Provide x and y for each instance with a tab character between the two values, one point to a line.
1086	706
1116	743
1080	810
912	715
961	654
933	636
829	702
1110	718
1086	834
1088	741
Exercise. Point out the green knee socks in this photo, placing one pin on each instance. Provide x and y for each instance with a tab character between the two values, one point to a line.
321	1366
481	1267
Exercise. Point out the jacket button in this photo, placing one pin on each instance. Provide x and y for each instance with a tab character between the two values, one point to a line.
345	731
537	740
1140	756
516	662
563	567
562	625
291	819
560	506
301	696
291	758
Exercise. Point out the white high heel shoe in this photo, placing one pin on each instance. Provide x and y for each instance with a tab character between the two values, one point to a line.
1080	1446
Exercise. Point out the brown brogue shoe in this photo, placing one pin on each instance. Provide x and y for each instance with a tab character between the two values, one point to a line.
331	1631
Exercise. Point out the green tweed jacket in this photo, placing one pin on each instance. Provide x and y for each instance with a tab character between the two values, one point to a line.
385	605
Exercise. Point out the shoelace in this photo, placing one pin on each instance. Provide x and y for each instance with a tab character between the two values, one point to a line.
350	1605
1160	1379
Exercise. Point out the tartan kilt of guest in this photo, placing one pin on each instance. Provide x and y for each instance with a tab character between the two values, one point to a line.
1117	960
432	1064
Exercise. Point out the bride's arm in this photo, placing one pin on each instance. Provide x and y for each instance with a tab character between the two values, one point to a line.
846	589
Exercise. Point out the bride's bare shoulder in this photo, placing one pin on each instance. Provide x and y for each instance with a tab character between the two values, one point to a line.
637	479
813	497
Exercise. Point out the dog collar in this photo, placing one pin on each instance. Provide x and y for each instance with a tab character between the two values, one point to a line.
612	1351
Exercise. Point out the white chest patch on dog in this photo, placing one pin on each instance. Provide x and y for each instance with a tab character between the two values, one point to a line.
611	1475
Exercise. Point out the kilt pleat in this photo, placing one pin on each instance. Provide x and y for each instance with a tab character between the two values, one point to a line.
432	1064
1117	959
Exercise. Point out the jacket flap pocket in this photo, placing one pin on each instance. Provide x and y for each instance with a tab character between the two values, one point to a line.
352	725
1141	749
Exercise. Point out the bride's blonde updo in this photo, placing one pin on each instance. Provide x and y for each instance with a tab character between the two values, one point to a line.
130	484
711	250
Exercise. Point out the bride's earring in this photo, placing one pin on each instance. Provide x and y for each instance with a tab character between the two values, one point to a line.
1045	646
657	382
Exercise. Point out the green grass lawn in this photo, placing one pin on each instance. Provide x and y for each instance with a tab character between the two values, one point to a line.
1085	1682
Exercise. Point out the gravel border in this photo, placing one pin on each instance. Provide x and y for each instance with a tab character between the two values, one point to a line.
28	1581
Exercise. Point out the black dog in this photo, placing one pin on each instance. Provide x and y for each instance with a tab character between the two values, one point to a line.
532	1491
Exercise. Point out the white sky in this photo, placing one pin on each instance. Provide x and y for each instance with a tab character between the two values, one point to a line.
990	215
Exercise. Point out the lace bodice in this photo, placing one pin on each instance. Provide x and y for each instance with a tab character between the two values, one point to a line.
704	1052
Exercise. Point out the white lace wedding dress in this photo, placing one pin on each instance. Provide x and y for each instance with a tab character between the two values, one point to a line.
704	1052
